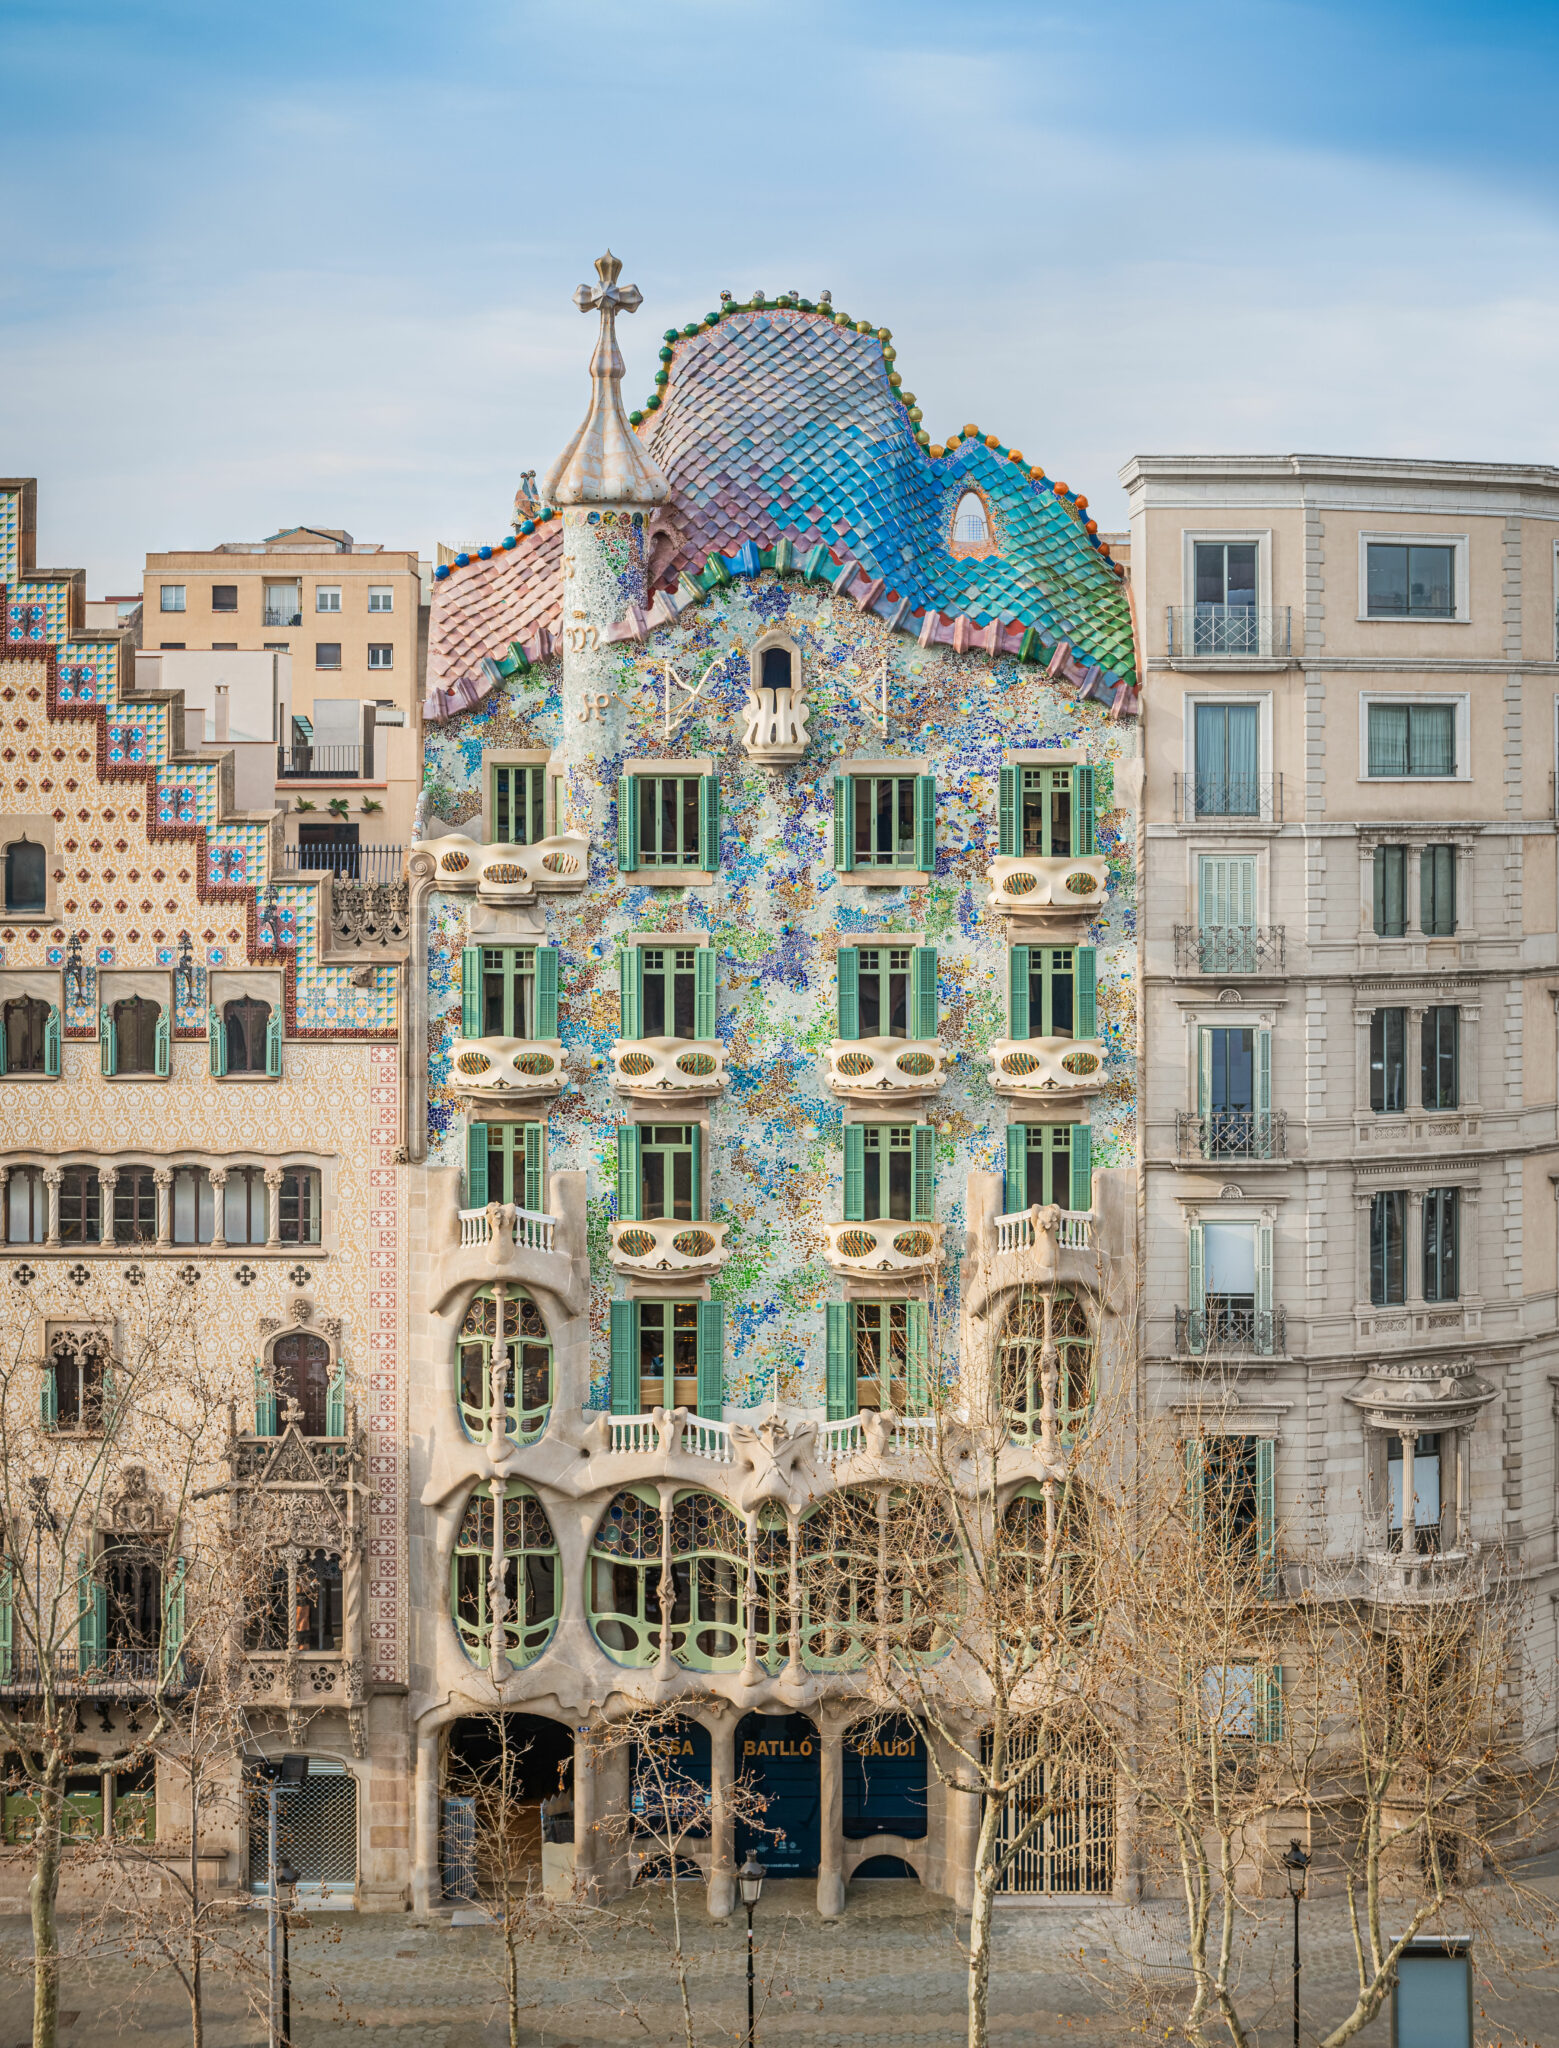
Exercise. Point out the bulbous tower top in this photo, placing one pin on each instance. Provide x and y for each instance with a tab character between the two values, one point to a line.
606	463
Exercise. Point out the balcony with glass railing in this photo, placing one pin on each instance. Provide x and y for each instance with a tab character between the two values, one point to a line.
1228	632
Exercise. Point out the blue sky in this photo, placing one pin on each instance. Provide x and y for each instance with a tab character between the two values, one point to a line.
285	262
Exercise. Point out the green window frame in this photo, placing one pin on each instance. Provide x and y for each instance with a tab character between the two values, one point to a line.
509	992
885	821
1053	991
518	793
505	1162
708	1555
1231	1495
1227	1313
624	1574
887	992
669	822
19	1012
667	988
646	1336
889	1173
1049	1163
879	1356
91	1615
1062	1595
526	1338
1242	1701
841	1566
1390	892
1039	1321
660	1173
531	1575
1046	813
1437	892
109	1052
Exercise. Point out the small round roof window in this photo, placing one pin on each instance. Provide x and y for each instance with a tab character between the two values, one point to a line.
969	522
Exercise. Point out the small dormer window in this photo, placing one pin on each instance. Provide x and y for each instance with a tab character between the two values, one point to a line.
776	668
970	524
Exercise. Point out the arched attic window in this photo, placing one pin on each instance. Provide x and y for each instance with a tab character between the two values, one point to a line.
970	523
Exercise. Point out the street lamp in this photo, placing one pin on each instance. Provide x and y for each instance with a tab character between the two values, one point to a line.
1296	1863
750	1877
286	1897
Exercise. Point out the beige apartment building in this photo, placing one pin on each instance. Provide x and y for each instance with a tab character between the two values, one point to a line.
1350	1144
347	615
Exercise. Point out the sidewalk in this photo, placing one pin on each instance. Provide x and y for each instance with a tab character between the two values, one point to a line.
890	1971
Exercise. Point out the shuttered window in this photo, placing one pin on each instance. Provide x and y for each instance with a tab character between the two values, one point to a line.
668	991
509	992
1047	813
889	1173
887	992
1049	1164
668	821
668	1354
504	1163
1053	991
884	821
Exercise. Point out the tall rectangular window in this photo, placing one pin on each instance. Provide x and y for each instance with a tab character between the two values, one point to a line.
668	821
1441	1232
1441	1076
883	991
889	1166
670	991
508	994
1228	760
1225	618
1437	891
135	1205
1226	914
519	803
1411	739
1426	1490
1388	1062
1047	813
883	820
1390	892
1409	581
1388	1248
667	1172
668	1355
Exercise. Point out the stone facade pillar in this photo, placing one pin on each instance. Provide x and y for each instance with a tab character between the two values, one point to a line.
162	1181
427	1886
962	1834
273	1181
52	1176
218	1178
830	1862
722	1825
587	1813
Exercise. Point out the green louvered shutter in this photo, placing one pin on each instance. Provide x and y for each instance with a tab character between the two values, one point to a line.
625	1357
1204	1070
1017	1169
1196	1267
917	1356
709	822
470	992
476	1166
627	824
1195	1479
630	983
49	1400
1007	811
1269	1703
855	1173
844	839
628	1173
110	1407
925	823
922	1201
273	1029
696	1131
1083	839
1263	1081
52	1015
91	1615
1082	1167
849	972
52	1036
162	1046
1263	1284
1018	990
841	1378
1086	967
265	1415
335	1401
706	1006
546	991
711	1360
1266	1502
923	1016
173	1617
7	1621
107	1042
533	1196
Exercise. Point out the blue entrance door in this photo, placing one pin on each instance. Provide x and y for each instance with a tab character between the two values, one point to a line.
884	1781
778	1754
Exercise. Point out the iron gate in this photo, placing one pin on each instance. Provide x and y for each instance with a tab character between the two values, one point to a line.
1073	1847
316	1830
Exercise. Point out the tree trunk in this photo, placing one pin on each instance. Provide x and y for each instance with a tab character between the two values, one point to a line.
43	1892
512	1977
980	1955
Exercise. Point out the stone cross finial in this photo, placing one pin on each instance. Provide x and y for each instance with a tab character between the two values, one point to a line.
605	462
611	297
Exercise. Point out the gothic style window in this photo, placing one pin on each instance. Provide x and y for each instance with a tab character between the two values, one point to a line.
139	1037
30	1037
1036	1322
301	1374
302	1608
194	1206
529	1576
246	1206
524	1336
76	1381
251	1037
130	1568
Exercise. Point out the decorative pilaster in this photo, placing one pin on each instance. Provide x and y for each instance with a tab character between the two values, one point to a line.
218	1178
830	1863
162	1181
52	1177
107	1181
273	1181
722	1825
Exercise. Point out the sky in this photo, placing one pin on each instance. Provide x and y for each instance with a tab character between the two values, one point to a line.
313	263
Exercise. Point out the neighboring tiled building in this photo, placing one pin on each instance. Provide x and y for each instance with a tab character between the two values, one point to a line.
200	1098
1350	1143
774	945
346	615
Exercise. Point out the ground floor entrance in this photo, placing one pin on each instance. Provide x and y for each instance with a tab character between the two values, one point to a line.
316	1832
507	1788
779	1755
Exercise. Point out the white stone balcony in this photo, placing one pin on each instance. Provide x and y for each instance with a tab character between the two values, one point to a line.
663	1432
668	1069
688	1250
504	1224
1043	1246
1426	1577
868	1249
512	874
885	1069
506	1069
1029	1067
1041	885
875	1435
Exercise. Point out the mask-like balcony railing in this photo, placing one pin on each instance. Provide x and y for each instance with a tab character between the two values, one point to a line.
1039	885
882	1246
1234	799
875	1435
656	1069
1231	948
1228	632
1047	1066
506	1069
880	1069
530	1230
1232	1134
1231	1333
648	1436
663	1245
512	874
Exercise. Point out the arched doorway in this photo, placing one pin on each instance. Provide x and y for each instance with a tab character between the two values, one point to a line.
508	1786
300	1365
669	1797
779	1756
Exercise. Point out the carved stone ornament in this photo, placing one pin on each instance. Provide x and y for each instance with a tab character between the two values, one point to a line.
269	1325
329	1326
136	1508
301	1310
1229	1192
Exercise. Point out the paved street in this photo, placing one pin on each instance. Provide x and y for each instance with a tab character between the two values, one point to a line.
889	1971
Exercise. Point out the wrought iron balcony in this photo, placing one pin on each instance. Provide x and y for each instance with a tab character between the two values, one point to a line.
1228	799
1035	885
1231	1333
656	1069
882	1246
334	764
346	860
1231	948
1047	1066
1228	632
880	1069
664	1246
1232	1134
506	1069
511	874
122	1673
